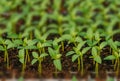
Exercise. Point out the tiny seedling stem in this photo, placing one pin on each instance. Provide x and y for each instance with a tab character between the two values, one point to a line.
82	70
78	64
40	68
27	56
62	43
96	69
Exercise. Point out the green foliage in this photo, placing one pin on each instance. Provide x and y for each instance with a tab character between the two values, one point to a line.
77	27
77	54
55	55
39	58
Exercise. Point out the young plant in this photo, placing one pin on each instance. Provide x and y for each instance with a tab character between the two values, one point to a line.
38	58
77	54
97	59
115	55
28	45
6	45
55	55
42	41
3	47
96	47
21	56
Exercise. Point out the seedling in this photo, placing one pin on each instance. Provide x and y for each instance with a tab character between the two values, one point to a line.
6	45
21	56
28	45
97	59
77	54
3	47
38	58
55	55
115	55
42	41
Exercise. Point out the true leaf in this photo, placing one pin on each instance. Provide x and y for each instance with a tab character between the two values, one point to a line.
35	55
70	53
21	53
51	52
110	57
74	57
80	45
85	50
103	44
1	48
58	64
43	55
94	51
98	59
21	60
34	61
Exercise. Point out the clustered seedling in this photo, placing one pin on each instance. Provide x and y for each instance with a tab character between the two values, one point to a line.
78	54
40	29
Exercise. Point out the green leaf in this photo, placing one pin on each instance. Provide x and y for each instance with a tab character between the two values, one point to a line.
51	52
11	46
30	47
31	42
21	60
18	42
80	45
97	36
46	44
8	42
89	33
2	48
34	61
78	39
35	54
58	64
57	56
13	35
43	55
66	37
85	50
74	57
112	44
70	53
98	59
110	57
94	51
21	53
103	44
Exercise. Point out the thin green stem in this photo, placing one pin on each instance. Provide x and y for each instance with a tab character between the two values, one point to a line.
118	67
115	65
43	50
96	69
27	56
78	64
6	59
40	50
23	67
40	68
62	43
55	72
82	70
31	35
5	56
